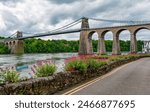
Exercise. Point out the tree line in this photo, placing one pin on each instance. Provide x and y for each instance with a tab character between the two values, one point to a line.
58	46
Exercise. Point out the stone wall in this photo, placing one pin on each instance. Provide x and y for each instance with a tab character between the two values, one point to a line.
60	81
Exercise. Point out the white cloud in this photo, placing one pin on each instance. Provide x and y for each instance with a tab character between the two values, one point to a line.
42	15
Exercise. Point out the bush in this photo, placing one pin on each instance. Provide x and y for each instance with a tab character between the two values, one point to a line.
4	49
103	56
131	57
1	79
94	64
83	65
45	70
2	82
10	76
114	59
79	65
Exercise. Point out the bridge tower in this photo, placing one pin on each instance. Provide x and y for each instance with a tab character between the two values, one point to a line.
15	45
85	45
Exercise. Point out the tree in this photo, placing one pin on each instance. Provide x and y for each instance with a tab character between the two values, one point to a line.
4	49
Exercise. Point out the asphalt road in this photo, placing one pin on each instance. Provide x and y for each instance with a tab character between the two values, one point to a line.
129	79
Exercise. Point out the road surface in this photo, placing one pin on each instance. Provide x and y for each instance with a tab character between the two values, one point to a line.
129	79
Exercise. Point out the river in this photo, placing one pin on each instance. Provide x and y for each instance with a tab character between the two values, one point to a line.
29	59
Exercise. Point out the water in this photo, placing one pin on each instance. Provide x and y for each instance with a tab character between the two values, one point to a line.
29	59
26	60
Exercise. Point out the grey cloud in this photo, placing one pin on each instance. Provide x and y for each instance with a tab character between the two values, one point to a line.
11	20
63	1
14	1
57	13
10	3
88	10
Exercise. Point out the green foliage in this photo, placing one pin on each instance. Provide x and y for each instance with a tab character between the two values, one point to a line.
139	45
83	65
125	45
2	37
76	65
103	56
50	46
117	58
56	46
108	44
94	64
46	70
4	49
9	76
2	81
146	55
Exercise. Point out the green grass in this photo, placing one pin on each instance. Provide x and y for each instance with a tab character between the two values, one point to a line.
46	70
9	76
78	65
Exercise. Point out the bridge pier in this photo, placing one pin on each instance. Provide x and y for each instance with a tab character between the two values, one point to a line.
85	45
133	44
116	45
16	46
101	45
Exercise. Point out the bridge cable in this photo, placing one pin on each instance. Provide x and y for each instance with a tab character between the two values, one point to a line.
12	35
67	26
57	31
120	21
61	28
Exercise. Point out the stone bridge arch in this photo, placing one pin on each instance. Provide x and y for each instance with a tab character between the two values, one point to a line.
16	46
140	28
90	39
118	36
102	45
86	47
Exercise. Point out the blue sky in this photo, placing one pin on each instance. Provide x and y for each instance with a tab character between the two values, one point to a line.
37	16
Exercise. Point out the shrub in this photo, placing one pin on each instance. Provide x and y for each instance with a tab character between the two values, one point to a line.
1	79
79	65
94	64
131	57
45	70
2	82
83	65
114	59
103	56
10	76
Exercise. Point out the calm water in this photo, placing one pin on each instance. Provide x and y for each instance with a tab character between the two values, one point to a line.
29	59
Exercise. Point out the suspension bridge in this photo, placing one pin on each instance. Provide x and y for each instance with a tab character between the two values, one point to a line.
15	41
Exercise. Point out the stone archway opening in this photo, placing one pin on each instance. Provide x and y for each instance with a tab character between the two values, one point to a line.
13	42
124	41
7	43
108	38
10	43
142	34
93	41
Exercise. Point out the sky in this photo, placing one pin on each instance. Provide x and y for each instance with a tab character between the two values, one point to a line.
37	16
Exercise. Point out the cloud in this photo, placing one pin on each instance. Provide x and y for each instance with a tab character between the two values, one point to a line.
63	1
35	16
